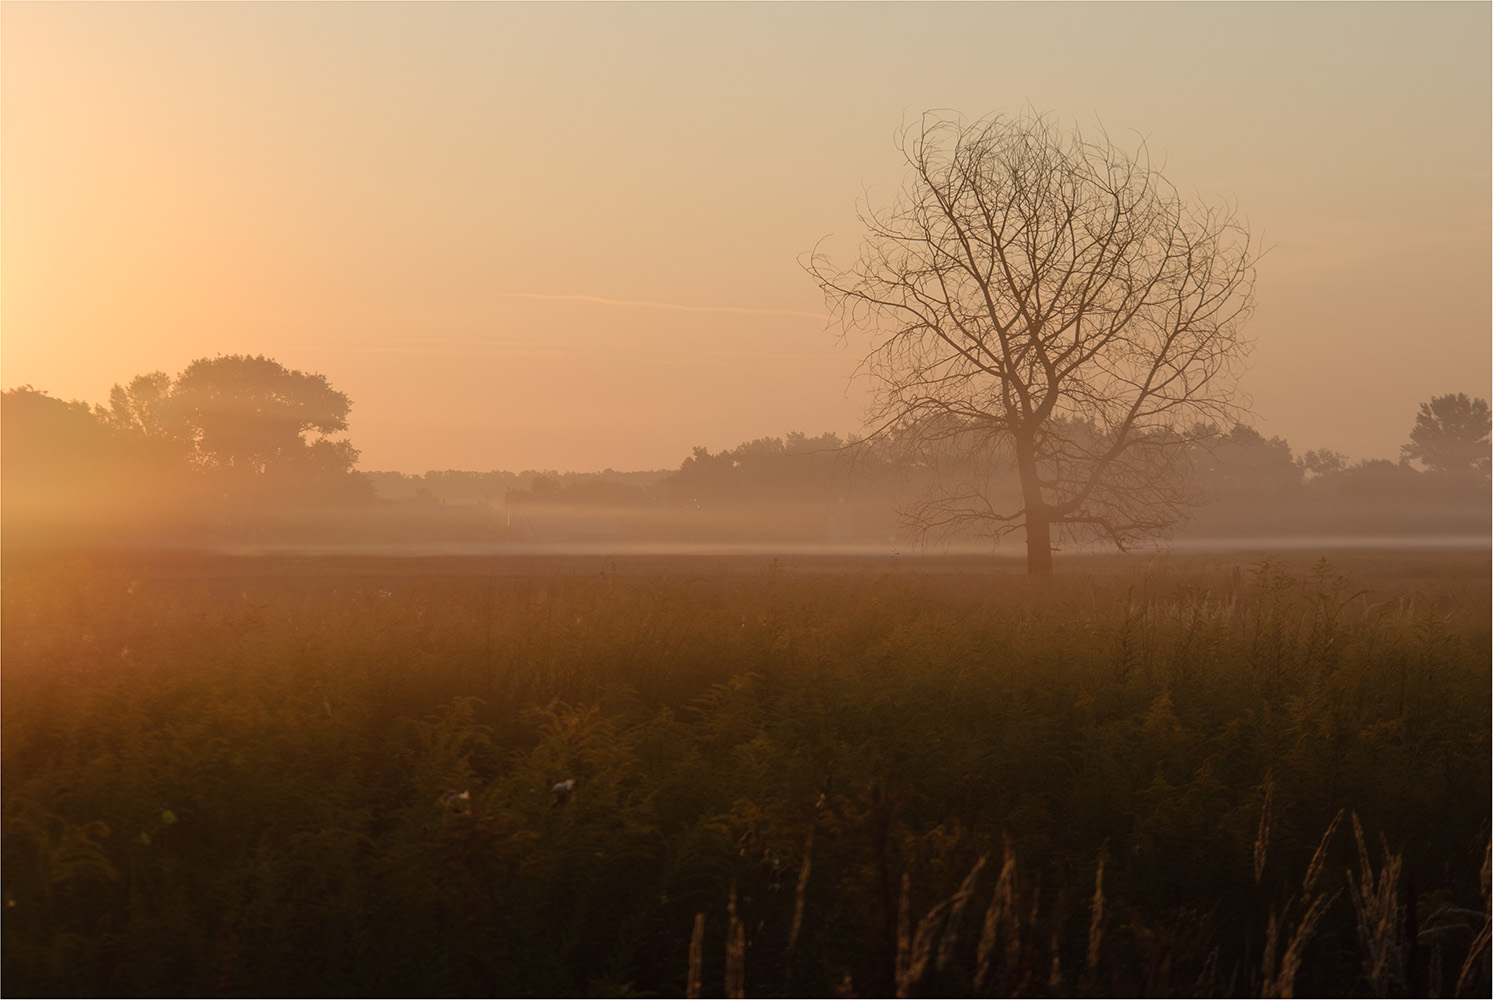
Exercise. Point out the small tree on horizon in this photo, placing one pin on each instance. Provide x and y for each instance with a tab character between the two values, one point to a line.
1451	435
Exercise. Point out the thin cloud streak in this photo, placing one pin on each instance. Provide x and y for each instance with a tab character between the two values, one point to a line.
446	347
535	349
677	306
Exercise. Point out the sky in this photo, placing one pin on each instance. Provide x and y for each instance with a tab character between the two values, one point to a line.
568	236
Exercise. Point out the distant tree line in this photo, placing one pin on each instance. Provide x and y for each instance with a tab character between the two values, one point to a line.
825	489
1252	484
239	446
228	443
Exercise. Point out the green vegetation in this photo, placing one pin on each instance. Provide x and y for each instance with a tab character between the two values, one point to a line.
1168	777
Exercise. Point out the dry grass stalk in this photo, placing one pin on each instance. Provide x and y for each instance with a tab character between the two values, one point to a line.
1207	980
1055	969
735	951
1479	948
696	949
1262	836
1267	963
1013	943
1376	901
1290	964
1485	877
913	957
1318	859
1096	919
956	911
1002	902
1281	982
904	933
798	894
922	951
1470	967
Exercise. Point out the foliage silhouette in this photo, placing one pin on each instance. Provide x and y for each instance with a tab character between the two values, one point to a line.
233	441
1451	435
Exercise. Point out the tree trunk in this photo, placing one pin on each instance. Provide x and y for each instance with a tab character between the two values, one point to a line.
1038	515
1038	542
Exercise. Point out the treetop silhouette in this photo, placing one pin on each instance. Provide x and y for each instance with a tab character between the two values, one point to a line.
252	415
1451	434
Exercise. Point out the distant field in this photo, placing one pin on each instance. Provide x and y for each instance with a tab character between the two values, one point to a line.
1233	773
1407	558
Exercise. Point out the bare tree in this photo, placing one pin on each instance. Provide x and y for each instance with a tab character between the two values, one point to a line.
1050	304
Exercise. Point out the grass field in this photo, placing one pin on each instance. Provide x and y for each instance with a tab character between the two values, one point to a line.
792	775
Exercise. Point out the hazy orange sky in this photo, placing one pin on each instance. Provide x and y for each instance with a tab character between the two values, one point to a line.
566	236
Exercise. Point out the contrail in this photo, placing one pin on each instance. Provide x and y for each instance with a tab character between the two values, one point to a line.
650	304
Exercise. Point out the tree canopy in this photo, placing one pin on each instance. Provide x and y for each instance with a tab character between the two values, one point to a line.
252	415
233	437
1451	434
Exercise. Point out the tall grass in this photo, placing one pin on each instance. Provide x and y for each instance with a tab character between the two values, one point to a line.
232	779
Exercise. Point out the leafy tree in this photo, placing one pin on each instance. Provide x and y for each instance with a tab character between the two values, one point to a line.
144	422
1058	299
239	430
1323	462
1451	435
64	464
49	444
41	428
1244	467
143	407
251	416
